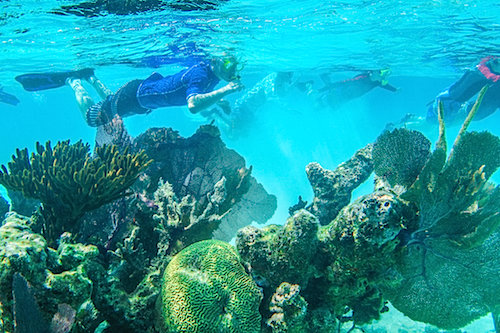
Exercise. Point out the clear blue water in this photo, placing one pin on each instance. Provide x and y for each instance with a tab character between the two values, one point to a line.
427	44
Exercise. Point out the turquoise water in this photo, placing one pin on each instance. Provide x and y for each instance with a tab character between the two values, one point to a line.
427	44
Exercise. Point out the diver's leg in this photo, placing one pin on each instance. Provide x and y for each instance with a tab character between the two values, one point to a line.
81	94
101	89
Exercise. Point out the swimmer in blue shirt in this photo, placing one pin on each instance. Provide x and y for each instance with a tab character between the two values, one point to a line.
193	87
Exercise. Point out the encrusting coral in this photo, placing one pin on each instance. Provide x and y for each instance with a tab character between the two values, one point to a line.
280	253
358	252
56	276
69	181
289	310
206	289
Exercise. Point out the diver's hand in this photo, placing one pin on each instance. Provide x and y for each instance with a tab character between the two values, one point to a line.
234	86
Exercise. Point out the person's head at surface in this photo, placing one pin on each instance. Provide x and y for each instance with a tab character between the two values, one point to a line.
380	76
226	68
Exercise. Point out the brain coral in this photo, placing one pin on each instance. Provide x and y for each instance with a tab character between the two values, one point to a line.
206	289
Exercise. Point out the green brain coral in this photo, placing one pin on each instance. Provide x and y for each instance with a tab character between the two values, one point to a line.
206	289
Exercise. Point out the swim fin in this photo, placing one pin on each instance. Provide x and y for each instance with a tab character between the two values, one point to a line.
43	81
8	98
389	87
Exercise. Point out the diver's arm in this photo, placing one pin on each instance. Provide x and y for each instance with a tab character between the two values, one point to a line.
199	102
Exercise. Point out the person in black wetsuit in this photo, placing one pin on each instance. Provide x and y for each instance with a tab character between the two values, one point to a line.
336	94
458	98
193	87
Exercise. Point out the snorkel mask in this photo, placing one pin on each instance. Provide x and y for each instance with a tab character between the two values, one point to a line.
230	68
384	73
380	76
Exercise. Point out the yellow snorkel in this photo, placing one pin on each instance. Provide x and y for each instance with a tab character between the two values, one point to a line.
384	73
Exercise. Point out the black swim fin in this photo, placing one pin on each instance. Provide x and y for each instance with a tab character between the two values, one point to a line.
43	81
389	87
8	98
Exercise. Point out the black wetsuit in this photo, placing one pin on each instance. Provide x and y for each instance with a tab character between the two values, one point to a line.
338	93
456	98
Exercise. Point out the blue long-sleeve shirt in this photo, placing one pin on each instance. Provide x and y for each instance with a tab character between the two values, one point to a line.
174	90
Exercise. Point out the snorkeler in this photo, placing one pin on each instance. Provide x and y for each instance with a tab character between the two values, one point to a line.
457	99
193	87
335	94
8	98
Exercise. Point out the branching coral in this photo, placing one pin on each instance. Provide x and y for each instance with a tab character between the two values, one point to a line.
206	289
69	182
332	189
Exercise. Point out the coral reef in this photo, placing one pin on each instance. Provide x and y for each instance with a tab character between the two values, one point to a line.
400	155
289	310
114	285
358	249
280	253
454	243
206	289
332	189
4	206
194	165
426	239
69	182
56	276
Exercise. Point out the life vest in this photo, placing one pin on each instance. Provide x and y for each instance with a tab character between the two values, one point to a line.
486	71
